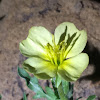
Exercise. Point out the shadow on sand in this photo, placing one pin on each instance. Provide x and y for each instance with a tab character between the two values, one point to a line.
1	17
94	59
98	1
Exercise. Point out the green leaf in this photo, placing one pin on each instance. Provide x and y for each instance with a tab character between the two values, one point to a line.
39	91
36	96
92	97
24	97
65	86
70	92
57	81
55	88
68	89
61	92
32	83
50	93
0	96
24	75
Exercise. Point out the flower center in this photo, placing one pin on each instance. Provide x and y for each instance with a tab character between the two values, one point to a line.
56	53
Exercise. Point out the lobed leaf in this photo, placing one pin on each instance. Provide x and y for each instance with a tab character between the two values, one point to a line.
24	97
92	97
32	83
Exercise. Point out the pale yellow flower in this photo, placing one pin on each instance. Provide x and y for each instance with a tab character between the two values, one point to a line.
58	54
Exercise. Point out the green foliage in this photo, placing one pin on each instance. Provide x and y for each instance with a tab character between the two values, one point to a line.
70	92
55	88
50	92
32	83
24	97
0	96
68	89
57	81
61	93
65	86
92	97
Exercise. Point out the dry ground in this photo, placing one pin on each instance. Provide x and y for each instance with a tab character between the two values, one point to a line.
16	18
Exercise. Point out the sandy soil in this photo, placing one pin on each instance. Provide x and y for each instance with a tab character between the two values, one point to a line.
16	18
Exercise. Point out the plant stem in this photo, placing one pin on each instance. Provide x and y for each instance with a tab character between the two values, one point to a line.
55	89
61	93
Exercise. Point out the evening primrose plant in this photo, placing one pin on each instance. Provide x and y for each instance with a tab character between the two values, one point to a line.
56	57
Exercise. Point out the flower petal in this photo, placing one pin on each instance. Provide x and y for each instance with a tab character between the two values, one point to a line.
72	68
40	68
40	35
29	48
75	39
